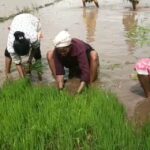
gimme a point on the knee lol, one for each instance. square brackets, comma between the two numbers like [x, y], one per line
[49, 55]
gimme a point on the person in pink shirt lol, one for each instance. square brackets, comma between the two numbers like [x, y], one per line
[79, 57]
[142, 68]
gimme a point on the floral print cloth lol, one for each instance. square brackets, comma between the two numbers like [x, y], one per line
[143, 66]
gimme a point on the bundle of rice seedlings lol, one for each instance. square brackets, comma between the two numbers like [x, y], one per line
[37, 66]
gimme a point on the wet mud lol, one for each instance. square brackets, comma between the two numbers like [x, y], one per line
[106, 29]
[142, 112]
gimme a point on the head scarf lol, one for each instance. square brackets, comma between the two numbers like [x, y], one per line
[62, 39]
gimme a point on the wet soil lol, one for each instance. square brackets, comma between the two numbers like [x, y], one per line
[105, 29]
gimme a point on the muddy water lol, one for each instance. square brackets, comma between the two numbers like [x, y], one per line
[8, 7]
[105, 29]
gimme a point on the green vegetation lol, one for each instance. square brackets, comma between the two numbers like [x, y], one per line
[44, 118]
[139, 35]
[37, 66]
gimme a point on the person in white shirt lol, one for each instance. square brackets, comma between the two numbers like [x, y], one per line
[23, 40]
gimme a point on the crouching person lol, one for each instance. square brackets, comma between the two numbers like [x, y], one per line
[23, 40]
[81, 59]
[142, 68]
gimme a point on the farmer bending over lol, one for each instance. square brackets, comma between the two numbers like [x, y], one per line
[23, 40]
[81, 59]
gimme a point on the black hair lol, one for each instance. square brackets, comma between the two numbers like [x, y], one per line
[21, 44]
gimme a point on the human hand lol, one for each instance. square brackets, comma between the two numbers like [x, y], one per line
[81, 87]
[40, 36]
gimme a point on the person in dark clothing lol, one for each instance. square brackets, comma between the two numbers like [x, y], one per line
[81, 59]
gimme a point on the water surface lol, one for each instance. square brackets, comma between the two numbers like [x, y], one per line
[104, 28]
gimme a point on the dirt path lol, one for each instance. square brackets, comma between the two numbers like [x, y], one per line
[105, 29]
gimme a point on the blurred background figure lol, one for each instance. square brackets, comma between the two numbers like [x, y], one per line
[134, 3]
[89, 1]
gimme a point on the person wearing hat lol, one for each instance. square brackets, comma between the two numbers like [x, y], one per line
[81, 59]
[89, 1]
[23, 40]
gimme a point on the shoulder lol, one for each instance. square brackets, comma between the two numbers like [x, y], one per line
[78, 45]
[76, 41]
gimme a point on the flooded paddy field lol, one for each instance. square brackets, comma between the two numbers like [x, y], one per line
[105, 29]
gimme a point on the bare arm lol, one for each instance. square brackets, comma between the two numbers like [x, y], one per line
[81, 87]
[21, 70]
[30, 60]
[85, 74]
[60, 81]
[17, 61]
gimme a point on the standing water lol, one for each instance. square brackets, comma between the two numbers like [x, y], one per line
[106, 29]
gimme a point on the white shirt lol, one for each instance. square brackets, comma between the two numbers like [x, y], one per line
[26, 23]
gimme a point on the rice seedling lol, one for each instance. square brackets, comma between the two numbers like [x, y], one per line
[139, 35]
[44, 118]
[37, 66]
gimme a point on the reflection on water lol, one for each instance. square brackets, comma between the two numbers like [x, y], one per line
[129, 21]
[90, 17]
